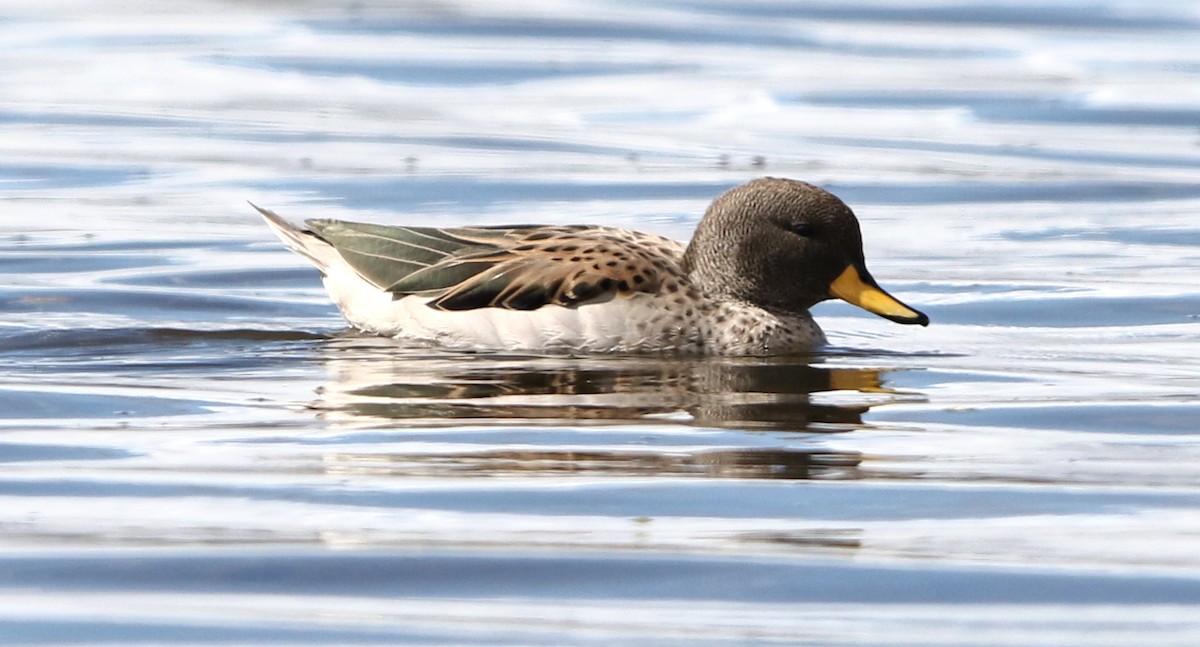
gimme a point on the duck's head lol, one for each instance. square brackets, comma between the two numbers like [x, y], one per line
[786, 245]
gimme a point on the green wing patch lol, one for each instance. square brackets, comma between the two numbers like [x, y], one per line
[389, 256]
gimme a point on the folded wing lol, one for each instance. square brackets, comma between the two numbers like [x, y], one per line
[516, 268]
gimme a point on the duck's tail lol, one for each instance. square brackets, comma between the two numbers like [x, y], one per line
[302, 241]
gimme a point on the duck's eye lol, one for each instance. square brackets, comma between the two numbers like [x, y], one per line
[802, 229]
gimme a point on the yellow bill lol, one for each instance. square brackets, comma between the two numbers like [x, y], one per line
[856, 286]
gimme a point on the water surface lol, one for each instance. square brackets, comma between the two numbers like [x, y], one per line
[196, 450]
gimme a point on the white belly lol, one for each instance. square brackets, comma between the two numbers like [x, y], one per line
[622, 324]
[638, 323]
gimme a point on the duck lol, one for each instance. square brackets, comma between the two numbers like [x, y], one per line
[763, 254]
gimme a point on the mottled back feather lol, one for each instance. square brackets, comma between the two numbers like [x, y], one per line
[516, 268]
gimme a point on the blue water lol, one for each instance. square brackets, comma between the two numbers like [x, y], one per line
[197, 451]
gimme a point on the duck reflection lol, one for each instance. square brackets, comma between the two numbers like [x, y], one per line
[375, 383]
[737, 463]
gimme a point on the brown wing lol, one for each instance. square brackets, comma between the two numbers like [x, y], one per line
[517, 268]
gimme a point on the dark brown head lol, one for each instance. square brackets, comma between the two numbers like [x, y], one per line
[784, 246]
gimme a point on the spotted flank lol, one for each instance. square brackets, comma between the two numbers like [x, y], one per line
[763, 254]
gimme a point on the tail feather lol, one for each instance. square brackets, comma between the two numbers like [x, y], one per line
[302, 241]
